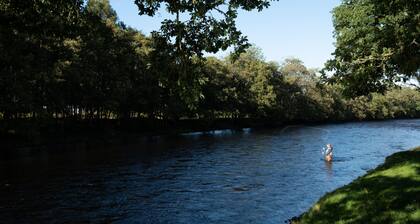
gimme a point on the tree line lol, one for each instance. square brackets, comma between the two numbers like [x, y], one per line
[69, 59]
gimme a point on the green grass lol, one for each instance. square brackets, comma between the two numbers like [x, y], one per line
[388, 194]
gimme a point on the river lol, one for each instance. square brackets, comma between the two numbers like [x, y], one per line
[248, 176]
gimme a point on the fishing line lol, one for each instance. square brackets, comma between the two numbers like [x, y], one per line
[290, 126]
[322, 129]
[293, 126]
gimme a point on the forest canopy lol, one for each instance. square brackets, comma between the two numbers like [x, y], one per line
[201, 26]
[377, 44]
[71, 59]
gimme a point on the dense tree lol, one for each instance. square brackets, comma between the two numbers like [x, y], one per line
[80, 63]
[221, 91]
[294, 67]
[201, 25]
[252, 68]
[194, 28]
[32, 34]
[377, 44]
[102, 9]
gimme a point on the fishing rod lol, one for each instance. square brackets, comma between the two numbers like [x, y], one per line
[293, 126]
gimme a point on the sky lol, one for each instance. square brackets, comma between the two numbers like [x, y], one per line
[288, 28]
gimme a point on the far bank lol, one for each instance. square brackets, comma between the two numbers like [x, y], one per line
[30, 134]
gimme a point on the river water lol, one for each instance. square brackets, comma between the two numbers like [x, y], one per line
[248, 176]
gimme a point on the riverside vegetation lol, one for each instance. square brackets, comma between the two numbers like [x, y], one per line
[70, 65]
[387, 194]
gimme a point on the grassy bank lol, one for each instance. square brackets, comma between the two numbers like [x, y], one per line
[388, 194]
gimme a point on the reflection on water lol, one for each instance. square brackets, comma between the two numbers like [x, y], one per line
[251, 176]
[328, 166]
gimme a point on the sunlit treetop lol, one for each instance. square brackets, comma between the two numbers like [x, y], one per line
[102, 9]
[378, 44]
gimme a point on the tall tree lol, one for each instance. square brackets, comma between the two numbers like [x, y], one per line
[109, 72]
[32, 34]
[103, 9]
[201, 25]
[294, 67]
[258, 74]
[196, 27]
[378, 43]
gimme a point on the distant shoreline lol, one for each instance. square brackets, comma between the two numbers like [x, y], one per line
[26, 135]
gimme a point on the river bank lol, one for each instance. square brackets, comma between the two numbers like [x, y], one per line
[386, 194]
[39, 135]
[22, 133]
[249, 176]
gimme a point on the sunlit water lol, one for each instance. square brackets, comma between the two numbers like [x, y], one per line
[249, 176]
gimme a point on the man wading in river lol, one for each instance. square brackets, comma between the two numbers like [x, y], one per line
[328, 152]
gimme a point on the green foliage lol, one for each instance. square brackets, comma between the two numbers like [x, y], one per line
[387, 194]
[294, 67]
[197, 27]
[102, 9]
[31, 46]
[78, 61]
[395, 103]
[377, 44]
[201, 25]
[258, 75]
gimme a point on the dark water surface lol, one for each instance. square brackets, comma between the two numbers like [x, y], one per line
[250, 176]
